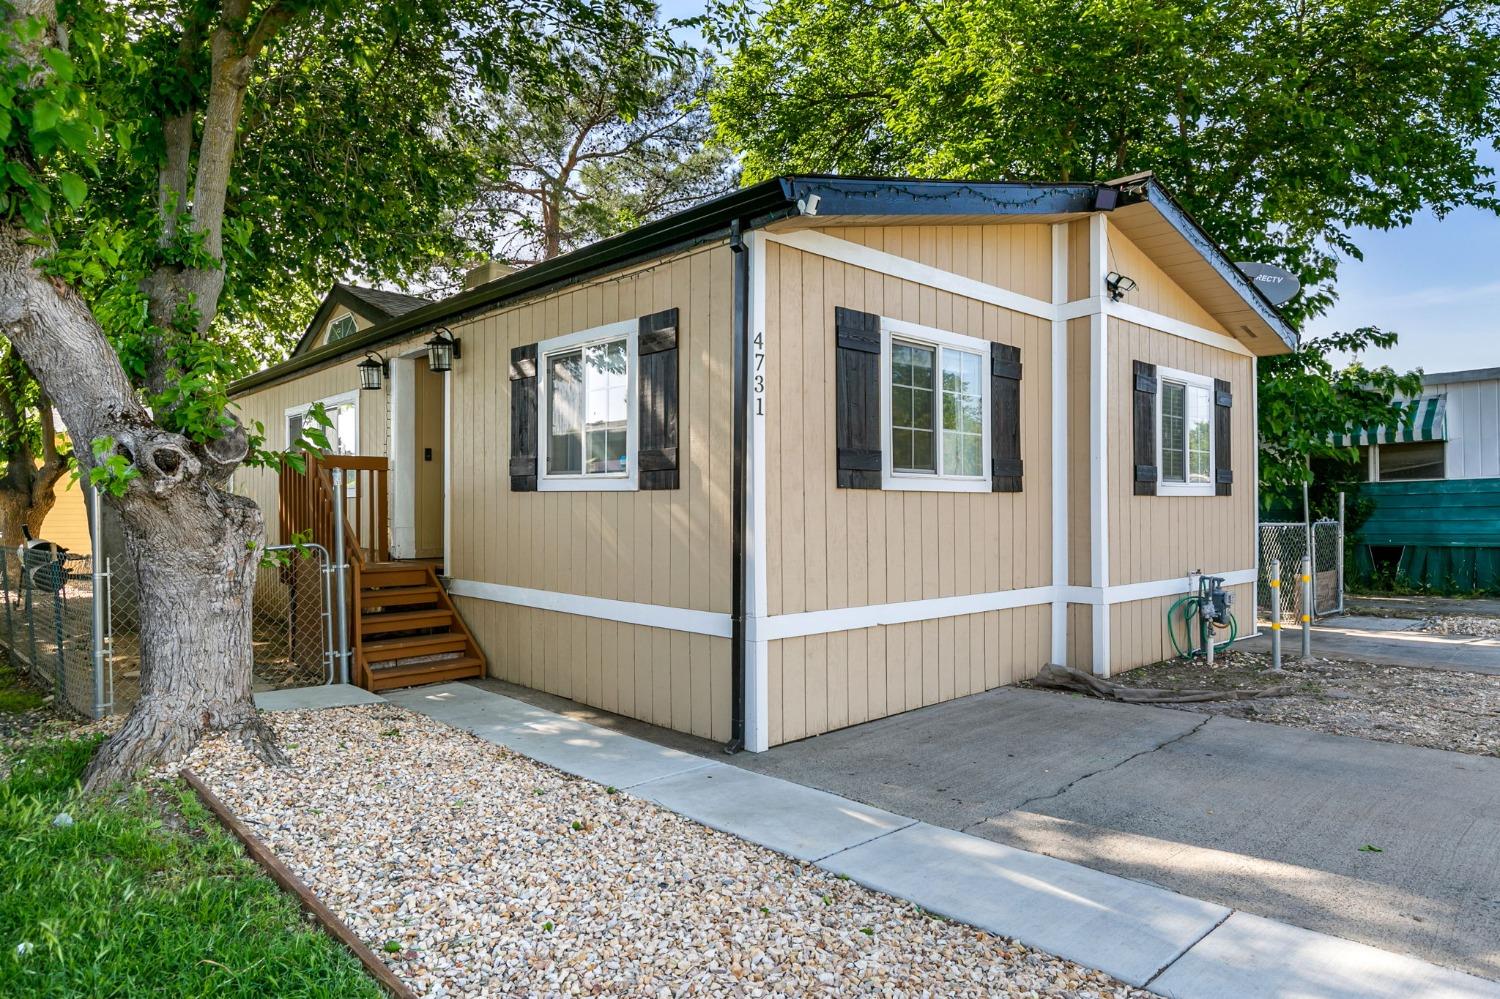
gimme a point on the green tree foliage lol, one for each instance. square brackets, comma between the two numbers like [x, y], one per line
[1283, 126]
[631, 142]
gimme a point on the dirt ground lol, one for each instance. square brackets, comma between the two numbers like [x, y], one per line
[1437, 709]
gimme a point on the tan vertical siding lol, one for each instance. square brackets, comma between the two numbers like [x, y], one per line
[268, 406]
[822, 682]
[1138, 629]
[1080, 267]
[1081, 637]
[614, 666]
[1154, 290]
[67, 523]
[1015, 256]
[831, 548]
[1162, 537]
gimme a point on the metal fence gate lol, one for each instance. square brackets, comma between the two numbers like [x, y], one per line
[1289, 543]
[91, 661]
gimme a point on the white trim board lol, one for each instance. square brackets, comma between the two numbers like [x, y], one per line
[695, 622]
[1059, 442]
[835, 248]
[881, 262]
[757, 654]
[761, 630]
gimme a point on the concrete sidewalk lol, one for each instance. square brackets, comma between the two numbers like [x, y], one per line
[1386, 640]
[1144, 934]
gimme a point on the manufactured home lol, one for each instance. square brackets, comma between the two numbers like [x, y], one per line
[1434, 485]
[813, 453]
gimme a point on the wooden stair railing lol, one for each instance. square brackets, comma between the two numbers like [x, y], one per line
[404, 628]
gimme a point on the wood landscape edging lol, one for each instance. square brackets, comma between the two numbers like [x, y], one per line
[327, 920]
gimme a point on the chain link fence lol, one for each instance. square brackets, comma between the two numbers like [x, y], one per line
[290, 622]
[47, 619]
[1288, 543]
[92, 663]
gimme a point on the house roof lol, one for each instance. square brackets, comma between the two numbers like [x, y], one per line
[1456, 377]
[373, 304]
[1144, 210]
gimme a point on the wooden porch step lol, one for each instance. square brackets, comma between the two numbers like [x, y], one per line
[399, 596]
[372, 576]
[385, 624]
[384, 649]
[432, 671]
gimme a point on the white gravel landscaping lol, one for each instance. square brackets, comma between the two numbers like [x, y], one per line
[1472, 625]
[478, 872]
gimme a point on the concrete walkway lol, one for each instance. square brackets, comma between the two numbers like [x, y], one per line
[1386, 640]
[1261, 818]
[1144, 934]
[332, 695]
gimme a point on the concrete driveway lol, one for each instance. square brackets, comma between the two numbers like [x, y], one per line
[1386, 640]
[1385, 844]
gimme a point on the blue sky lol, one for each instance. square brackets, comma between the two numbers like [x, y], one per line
[1435, 282]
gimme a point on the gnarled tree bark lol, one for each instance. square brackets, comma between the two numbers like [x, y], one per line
[193, 546]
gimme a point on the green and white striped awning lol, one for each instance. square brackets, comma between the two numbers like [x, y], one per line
[1426, 420]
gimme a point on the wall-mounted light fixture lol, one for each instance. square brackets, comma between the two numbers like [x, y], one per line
[442, 349]
[371, 370]
[1118, 284]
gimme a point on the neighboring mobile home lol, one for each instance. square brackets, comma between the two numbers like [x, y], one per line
[1435, 484]
[816, 452]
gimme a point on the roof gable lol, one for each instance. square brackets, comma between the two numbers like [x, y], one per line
[373, 305]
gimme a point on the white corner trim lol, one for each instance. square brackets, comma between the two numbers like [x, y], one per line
[447, 475]
[904, 612]
[1099, 437]
[695, 622]
[834, 248]
[1059, 442]
[757, 655]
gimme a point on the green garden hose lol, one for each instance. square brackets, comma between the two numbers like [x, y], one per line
[1189, 604]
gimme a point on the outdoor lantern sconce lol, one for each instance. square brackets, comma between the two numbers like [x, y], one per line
[371, 370]
[1118, 284]
[442, 349]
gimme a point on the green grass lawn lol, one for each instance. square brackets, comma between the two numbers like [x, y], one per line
[143, 897]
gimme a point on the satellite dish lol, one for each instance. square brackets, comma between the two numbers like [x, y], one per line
[1276, 283]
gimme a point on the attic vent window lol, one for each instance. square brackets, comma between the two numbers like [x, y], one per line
[341, 328]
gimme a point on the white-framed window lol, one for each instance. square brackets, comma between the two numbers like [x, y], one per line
[343, 413]
[586, 409]
[934, 409]
[1185, 434]
[1410, 460]
[341, 328]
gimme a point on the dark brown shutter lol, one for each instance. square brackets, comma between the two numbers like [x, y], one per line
[857, 398]
[656, 353]
[523, 419]
[1005, 418]
[1145, 429]
[1223, 473]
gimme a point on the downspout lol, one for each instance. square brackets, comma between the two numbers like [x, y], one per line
[740, 322]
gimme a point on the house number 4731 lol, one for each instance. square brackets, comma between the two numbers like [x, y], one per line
[760, 374]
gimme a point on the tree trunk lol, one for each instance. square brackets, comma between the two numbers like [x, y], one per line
[194, 546]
